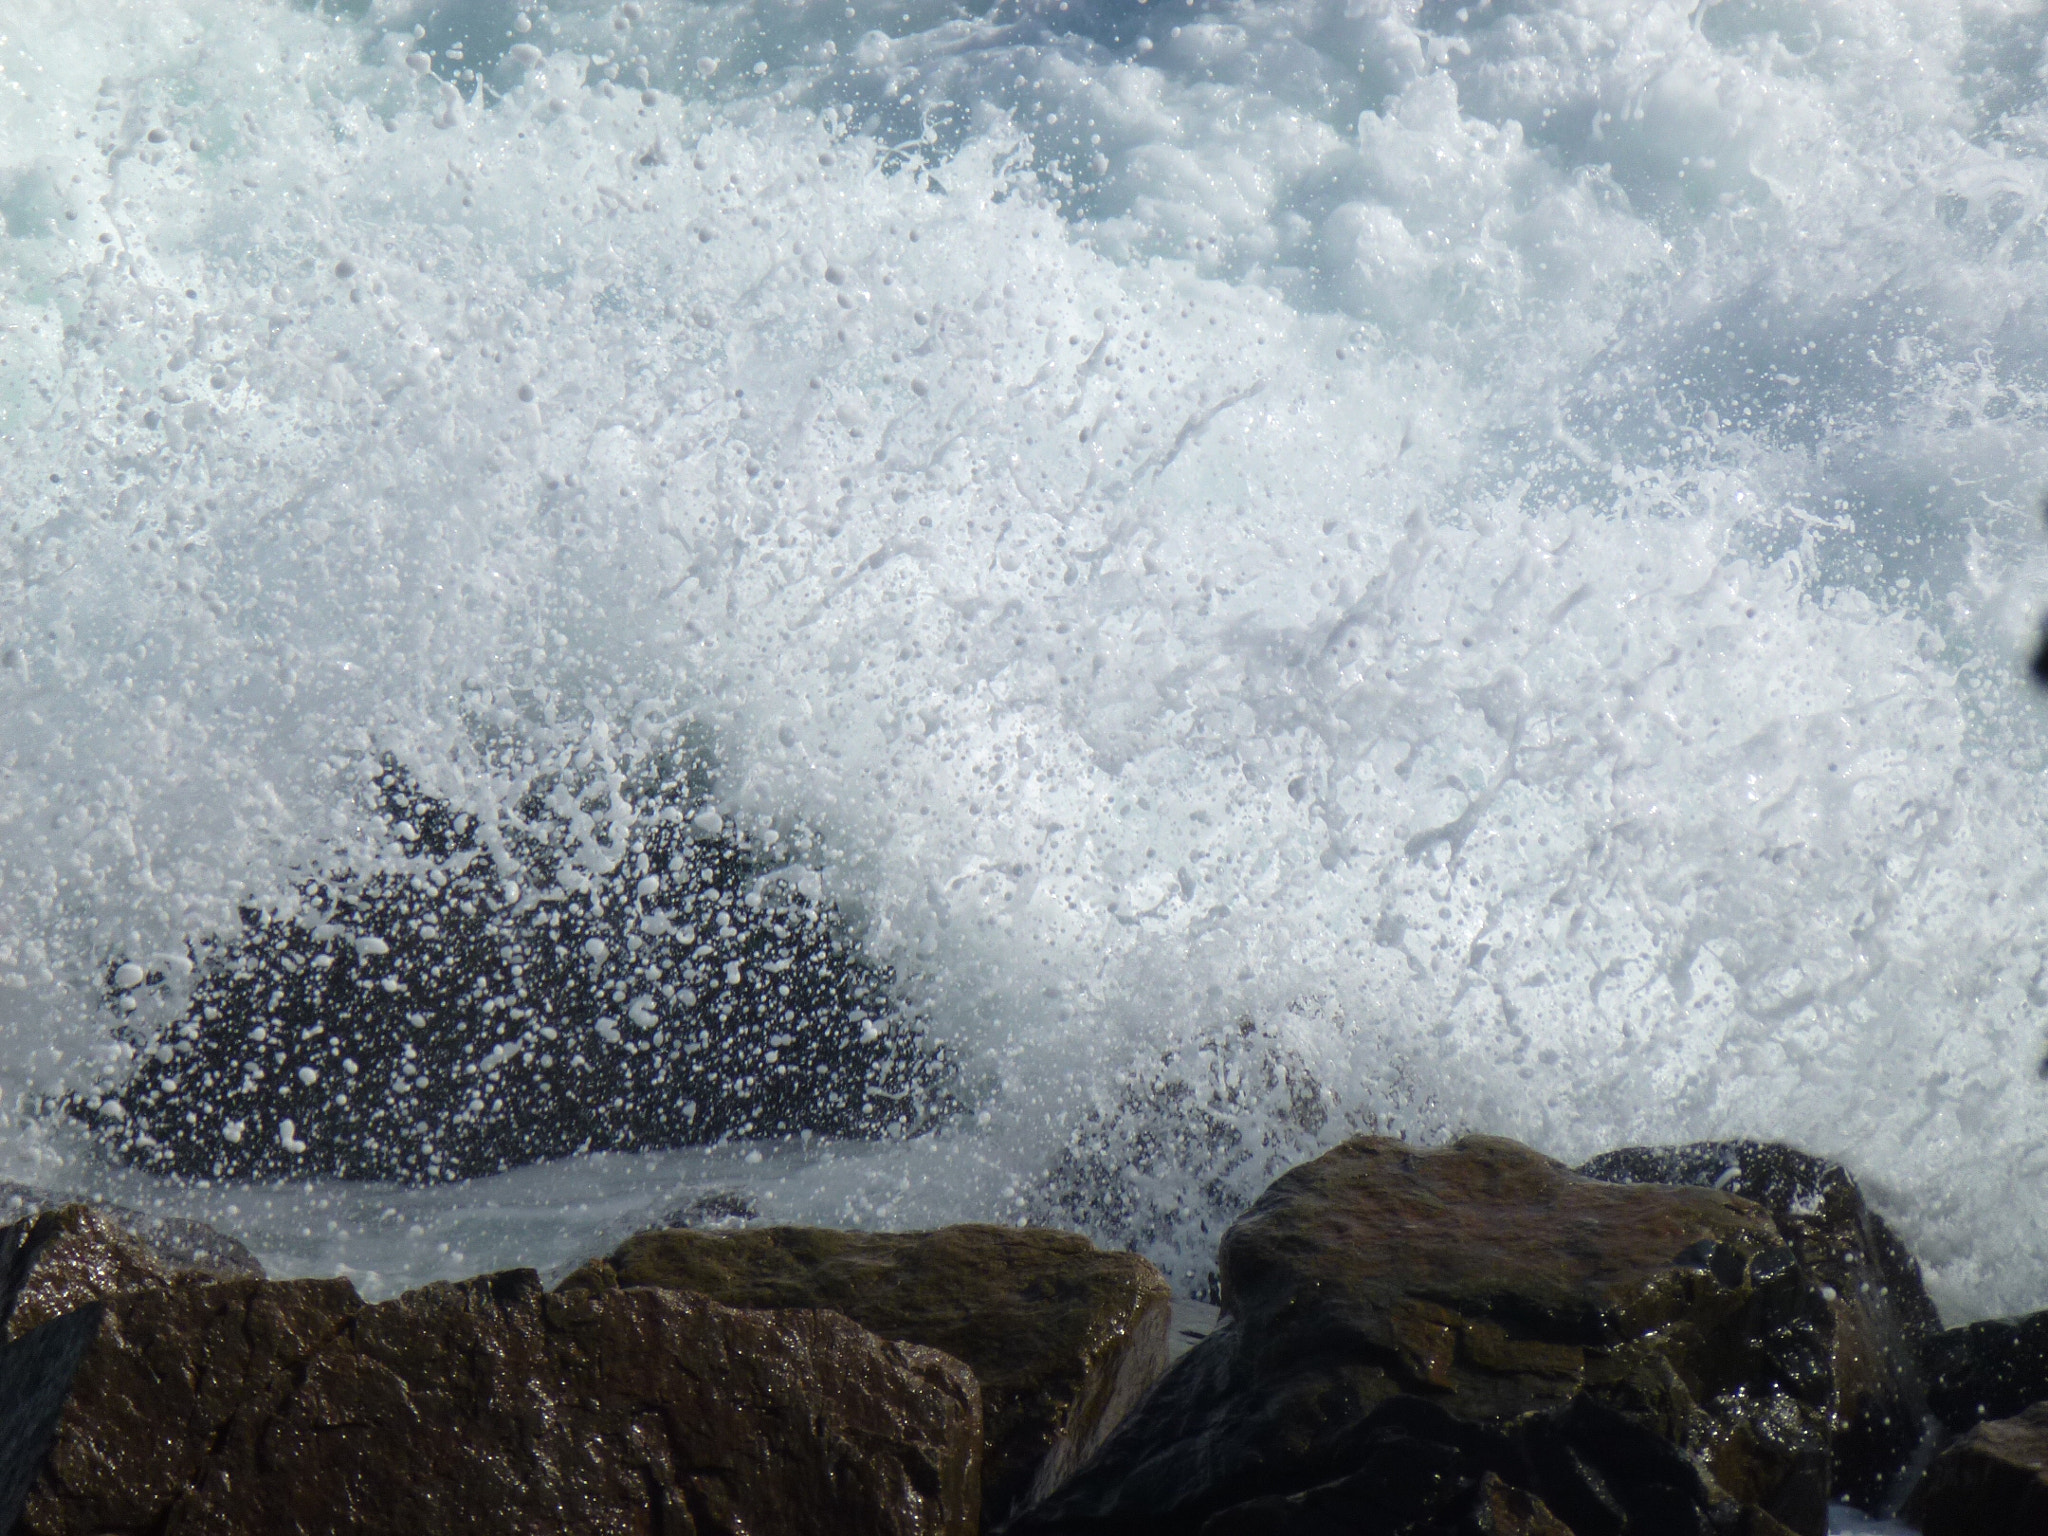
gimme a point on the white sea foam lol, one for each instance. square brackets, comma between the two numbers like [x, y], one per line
[1492, 542]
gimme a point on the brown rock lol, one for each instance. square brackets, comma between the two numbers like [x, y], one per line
[1633, 1353]
[490, 1407]
[105, 1250]
[89, 1259]
[1883, 1315]
[1501, 1509]
[1063, 1337]
[1993, 1480]
[36, 1369]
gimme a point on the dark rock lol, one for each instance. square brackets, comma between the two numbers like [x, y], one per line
[608, 968]
[36, 1368]
[152, 1250]
[490, 1407]
[90, 1253]
[714, 1208]
[1501, 1509]
[36, 1375]
[1193, 1321]
[1639, 1359]
[85, 1258]
[1992, 1481]
[1988, 1370]
[1415, 1469]
[1873, 1285]
[1420, 1471]
[1063, 1337]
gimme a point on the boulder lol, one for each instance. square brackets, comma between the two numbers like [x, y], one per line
[1988, 1370]
[1993, 1480]
[489, 1406]
[1063, 1337]
[1415, 1470]
[36, 1368]
[93, 1253]
[99, 1248]
[516, 990]
[1871, 1282]
[1633, 1358]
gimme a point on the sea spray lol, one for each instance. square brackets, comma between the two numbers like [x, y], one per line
[1493, 548]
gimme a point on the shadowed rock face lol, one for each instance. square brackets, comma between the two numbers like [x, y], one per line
[1994, 1479]
[1637, 1359]
[1063, 1337]
[1883, 1314]
[610, 969]
[37, 1363]
[487, 1407]
[1987, 1370]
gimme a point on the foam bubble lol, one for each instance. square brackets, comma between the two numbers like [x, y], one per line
[1488, 548]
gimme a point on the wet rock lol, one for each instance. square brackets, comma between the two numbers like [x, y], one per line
[610, 967]
[1988, 1370]
[1501, 1509]
[95, 1251]
[490, 1407]
[1873, 1286]
[86, 1258]
[1415, 1470]
[36, 1368]
[1636, 1358]
[714, 1208]
[1993, 1480]
[1063, 1337]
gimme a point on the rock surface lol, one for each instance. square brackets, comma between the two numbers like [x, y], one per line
[178, 1244]
[491, 1407]
[1988, 1370]
[1873, 1287]
[1636, 1358]
[610, 968]
[1992, 1481]
[1063, 1337]
[36, 1369]
[97, 1252]
[1415, 1470]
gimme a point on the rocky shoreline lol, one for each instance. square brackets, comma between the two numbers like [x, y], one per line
[1471, 1339]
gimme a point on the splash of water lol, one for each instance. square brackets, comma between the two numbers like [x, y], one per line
[1490, 544]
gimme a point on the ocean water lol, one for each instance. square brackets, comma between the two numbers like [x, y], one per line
[1311, 565]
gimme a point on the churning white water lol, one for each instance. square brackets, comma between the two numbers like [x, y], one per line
[1313, 564]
